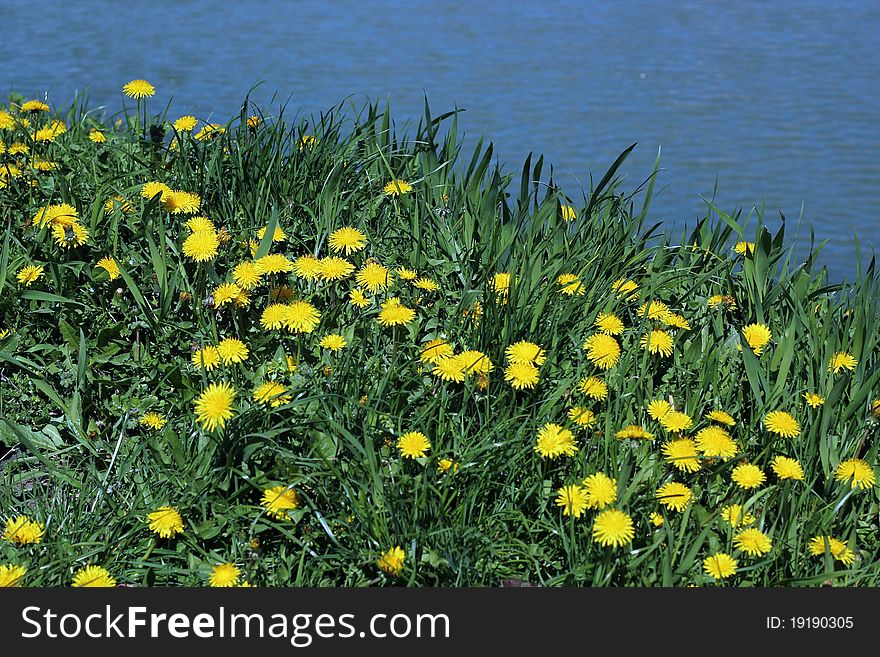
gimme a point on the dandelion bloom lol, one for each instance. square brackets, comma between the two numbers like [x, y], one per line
[391, 561]
[301, 317]
[246, 275]
[224, 575]
[856, 472]
[474, 361]
[93, 577]
[11, 576]
[571, 284]
[347, 240]
[842, 361]
[278, 235]
[29, 274]
[274, 316]
[658, 408]
[97, 136]
[207, 358]
[225, 293]
[656, 519]
[753, 542]
[358, 299]
[165, 521]
[152, 420]
[333, 342]
[110, 266]
[593, 387]
[273, 263]
[278, 501]
[413, 445]
[373, 277]
[676, 421]
[572, 499]
[721, 417]
[634, 431]
[21, 530]
[185, 123]
[748, 476]
[720, 565]
[394, 313]
[602, 350]
[677, 321]
[435, 350]
[138, 89]
[525, 352]
[214, 405]
[71, 235]
[308, 267]
[554, 441]
[34, 106]
[521, 375]
[609, 323]
[501, 283]
[782, 424]
[180, 202]
[674, 496]
[625, 288]
[449, 369]
[716, 442]
[583, 417]
[209, 131]
[655, 310]
[735, 516]
[271, 393]
[201, 246]
[744, 247]
[787, 468]
[334, 268]
[397, 187]
[657, 342]
[757, 336]
[445, 465]
[682, 454]
[813, 400]
[232, 350]
[613, 528]
[837, 548]
[426, 284]
[600, 489]
[568, 213]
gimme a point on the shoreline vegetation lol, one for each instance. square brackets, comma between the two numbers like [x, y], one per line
[325, 352]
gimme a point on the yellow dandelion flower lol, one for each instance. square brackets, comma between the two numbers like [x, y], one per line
[813, 400]
[570, 284]
[301, 317]
[748, 476]
[30, 274]
[572, 499]
[675, 421]
[271, 393]
[391, 561]
[21, 530]
[757, 336]
[333, 342]
[657, 342]
[449, 369]
[397, 187]
[735, 516]
[856, 472]
[93, 577]
[214, 406]
[842, 361]
[625, 288]
[358, 299]
[185, 123]
[335, 269]
[782, 424]
[180, 202]
[682, 454]
[110, 266]
[674, 495]
[743, 248]
[583, 417]
[394, 313]
[720, 565]
[613, 528]
[224, 575]
[634, 431]
[201, 246]
[554, 441]
[722, 417]
[413, 445]
[475, 362]
[521, 375]
[138, 89]
[445, 465]
[225, 293]
[207, 358]
[232, 350]
[273, 263]
[602, 350]
[373, 277]
[716, 442]
[435, 350]
[658, 408]
[97, 136]
[34, 106]
[70, 236]
[165, 521]
[406, 274]
[347, 240]
[209, 131]
[787, 468]
[600, 489]
[836, 548]
[753, 542]
[568, 213]
[594, 388]
[11, 576]
[656, 519]
[308, 268]
[655, 310]
[525, 352]
[609, 323]
[153, 420]
[279, 501]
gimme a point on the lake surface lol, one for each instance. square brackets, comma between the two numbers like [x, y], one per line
[779, 100]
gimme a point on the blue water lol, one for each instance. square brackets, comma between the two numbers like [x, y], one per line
[780, 100]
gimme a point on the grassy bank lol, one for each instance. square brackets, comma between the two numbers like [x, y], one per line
[324, 352]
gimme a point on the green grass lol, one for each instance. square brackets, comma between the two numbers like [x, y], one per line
[86, 357]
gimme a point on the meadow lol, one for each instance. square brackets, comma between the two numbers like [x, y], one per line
[329, 351]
